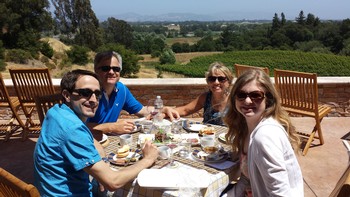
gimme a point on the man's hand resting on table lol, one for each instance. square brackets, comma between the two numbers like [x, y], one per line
[119, 127]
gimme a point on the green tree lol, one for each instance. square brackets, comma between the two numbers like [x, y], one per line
[167, 57]
[206, 44]
[77, 20]
[78, 55]
[345, 28]
[276, 23]
[117, 31]
[22, 21]
[283, 19]
[301, 18]
[226, 37]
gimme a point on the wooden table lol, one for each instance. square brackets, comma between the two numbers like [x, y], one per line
[218, 179]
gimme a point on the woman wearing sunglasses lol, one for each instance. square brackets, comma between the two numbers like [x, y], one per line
[264, 138]
[219, 78]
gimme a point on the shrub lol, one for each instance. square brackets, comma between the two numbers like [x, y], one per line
[18, 56]
[2, 65]
[78, 55]
[167, 57]
[46, 49]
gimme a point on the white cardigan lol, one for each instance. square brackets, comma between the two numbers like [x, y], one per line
[273, 167]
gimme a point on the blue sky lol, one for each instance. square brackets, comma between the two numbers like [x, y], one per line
[257, 9]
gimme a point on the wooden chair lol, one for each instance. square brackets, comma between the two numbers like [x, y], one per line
[12, 126]
[11, 186]
[342, 188]
[239, 68]
[299, 95]
[30, 83]
[44, 103]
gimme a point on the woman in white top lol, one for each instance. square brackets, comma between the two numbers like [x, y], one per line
[262, 134]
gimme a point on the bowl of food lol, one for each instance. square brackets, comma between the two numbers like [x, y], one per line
[207, 131]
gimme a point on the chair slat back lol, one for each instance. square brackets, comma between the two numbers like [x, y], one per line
[30, 83]
[11, 186]
[297, 89]
[3, 91]
[240, 69]
[44, 103]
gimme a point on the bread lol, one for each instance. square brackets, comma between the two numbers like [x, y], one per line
[123, 151]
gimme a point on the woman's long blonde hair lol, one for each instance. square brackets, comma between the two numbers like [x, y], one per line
[238, 130]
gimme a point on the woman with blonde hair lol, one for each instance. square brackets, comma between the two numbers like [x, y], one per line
[219, 79]
[264, 138]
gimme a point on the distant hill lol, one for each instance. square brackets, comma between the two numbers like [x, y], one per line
[178, 17]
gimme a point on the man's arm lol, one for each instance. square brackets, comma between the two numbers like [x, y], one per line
[119, 127]
[113, 180]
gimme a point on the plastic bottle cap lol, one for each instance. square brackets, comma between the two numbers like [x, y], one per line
[158, 97]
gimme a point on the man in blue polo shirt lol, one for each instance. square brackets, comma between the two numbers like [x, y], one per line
[116, 97]
[65, 153]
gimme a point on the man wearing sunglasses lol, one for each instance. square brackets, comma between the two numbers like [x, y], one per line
[65, 153]
[116, 97]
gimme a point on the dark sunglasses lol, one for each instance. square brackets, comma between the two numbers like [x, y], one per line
[108, 68]
[88, 93]
[220, 79]
[254, 96]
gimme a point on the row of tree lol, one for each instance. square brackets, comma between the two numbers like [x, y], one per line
[24, 22]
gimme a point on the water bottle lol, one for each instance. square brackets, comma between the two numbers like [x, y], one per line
[158, 107]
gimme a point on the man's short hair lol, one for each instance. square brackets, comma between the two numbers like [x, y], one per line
[70, 78]
[107, 55]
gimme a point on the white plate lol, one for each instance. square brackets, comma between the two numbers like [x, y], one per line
[193, 137]
[104, 138]
[143, 137]
[222, 137]
[194, 127]
[173, 178]
[113, 158]
[203, 157]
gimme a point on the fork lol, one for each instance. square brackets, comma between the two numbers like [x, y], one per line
[132, 157]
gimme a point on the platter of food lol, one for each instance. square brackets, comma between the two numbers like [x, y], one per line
[124, 156]
[193, 126]
[158, 140]
[216, 156]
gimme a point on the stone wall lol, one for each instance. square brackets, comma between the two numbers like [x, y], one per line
[334, 91]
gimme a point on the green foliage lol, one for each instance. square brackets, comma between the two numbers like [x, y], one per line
[167, 57]
[146, 43]
[2, 65]
[2, 51]
[78, 19]
[78, 55]
[117, 31]
[130, 59]
[50, 66]
[22, 21]
[155, 54]
[18, 56]
[322, 64]
[46, 49]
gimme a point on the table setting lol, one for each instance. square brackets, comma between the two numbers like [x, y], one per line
[190, 160]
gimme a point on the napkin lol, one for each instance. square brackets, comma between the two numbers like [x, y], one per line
[222, 165]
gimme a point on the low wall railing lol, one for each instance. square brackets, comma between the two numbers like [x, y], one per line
[334, 91]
